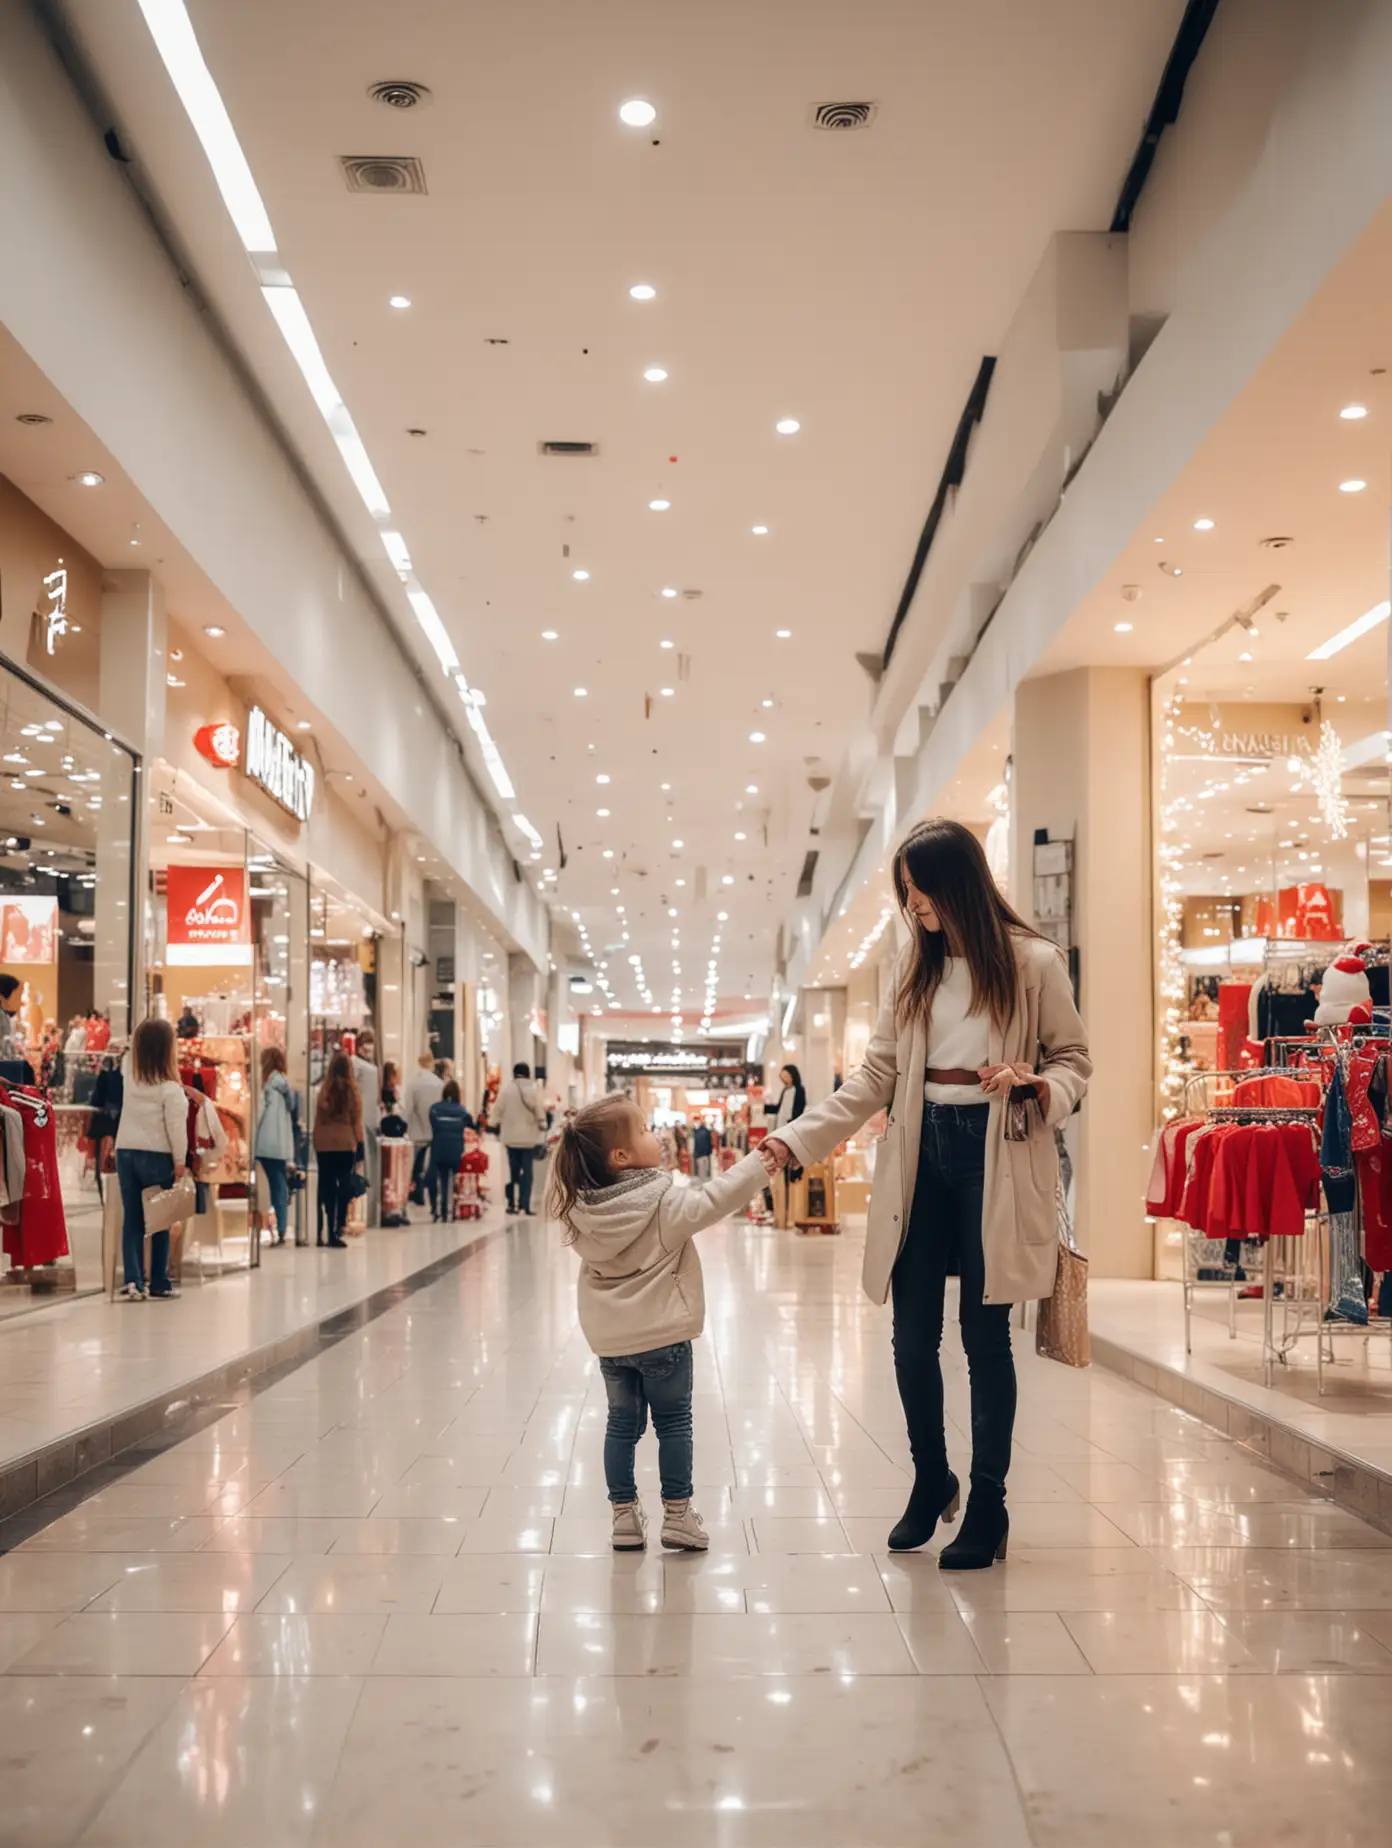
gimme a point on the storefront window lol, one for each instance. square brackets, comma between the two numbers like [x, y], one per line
[67, 794]
[280, 967]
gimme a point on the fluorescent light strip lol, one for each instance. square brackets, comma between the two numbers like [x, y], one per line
[521, 823]
[172, 31]
[177, 44]
[1337, 643]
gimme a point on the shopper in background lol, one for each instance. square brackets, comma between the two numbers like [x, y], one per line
[76, 1040]
[701, 1151]
[369, 1083]
[151, 1150]
[276, 1134]
[107, 1096]
[338, 1143]
[522, 1125]
[11, 999]
[448, 1121]
[427, 1087]
[189, 1027]
[966, 1176]
[391, 1088]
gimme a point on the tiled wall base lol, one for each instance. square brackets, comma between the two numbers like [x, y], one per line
[1352, 1483]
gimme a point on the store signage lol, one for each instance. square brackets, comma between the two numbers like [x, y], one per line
[220, 743]
[208, 922]
[272, 761]
[1262, 744]
[55, 617]
[693, 1061]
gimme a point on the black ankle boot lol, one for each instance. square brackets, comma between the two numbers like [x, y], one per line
[929, 1503]
[984, 1536]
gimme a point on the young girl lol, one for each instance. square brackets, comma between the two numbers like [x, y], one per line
[641, 1298]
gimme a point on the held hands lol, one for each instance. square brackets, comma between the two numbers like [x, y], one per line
[774, 1154]
[1000, 1080]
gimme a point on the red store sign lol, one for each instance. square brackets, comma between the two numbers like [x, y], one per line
[208, 919]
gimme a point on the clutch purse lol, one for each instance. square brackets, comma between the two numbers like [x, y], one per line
[1061, 1326]
[1022, 1107]
[167, 1206]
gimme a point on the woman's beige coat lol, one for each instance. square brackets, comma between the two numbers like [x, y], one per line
[1019, 1221]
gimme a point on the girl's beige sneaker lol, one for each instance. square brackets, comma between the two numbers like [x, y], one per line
[630, 1527]
[682, 1528]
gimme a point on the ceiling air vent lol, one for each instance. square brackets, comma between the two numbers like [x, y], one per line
[843, 115]
[399, 93]
[568, 449]
[33, 417]
[382, 173]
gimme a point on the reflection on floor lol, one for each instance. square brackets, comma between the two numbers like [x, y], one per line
[375, 1606]
[83, 1215]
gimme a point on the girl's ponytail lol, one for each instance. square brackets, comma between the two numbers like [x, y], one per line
[581, 1162]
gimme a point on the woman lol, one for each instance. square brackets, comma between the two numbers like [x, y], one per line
[151, 1150]
[338, 1142]
[981, 1007]
[391, 1089]
[276, 1134]
[448, 1121]
[792, 1101]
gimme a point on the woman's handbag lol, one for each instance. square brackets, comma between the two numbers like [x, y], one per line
[357, 1184]
[167, 1206]
[1061, 1327]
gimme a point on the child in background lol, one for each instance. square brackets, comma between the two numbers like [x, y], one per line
[641, 1297]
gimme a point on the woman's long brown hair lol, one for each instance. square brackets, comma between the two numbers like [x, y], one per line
[153, 1058]
[337, 1099]
[947, 863]
[581, 1162]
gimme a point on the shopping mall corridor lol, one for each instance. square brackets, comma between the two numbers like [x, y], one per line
[374, 1605]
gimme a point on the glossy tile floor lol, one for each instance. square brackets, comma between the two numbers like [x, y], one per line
[375, 1606]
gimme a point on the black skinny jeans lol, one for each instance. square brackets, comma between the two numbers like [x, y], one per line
[335, 1172]
[945, 1235]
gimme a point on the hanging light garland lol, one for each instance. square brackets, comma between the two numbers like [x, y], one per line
[1173, 851]
[1328, 772]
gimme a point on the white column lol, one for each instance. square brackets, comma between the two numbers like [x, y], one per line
[132, 701]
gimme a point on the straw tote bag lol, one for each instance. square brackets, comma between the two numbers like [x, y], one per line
[1061, 1326]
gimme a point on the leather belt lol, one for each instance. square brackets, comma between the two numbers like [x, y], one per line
[954, 1074]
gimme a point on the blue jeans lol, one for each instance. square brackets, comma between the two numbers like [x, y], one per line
[944, 1236]
[442, 1188]
[519, 1186]
[137, 1169]
[279, 1190]
[662, 1379]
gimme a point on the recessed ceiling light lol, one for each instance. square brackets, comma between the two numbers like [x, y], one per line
[759, 531]
[399, 301]
[654, 374]
[787, 426]
[548, 635]
[727, 879]
[666, 644]
[642, 292]
[678, 845]
[767, 704]
[741, 837]
[756, 737]
[1245, 655]
[1353, 486]
[581, 577]
[1352, 412]
[304, 725]
[89, 478]
[1203, 526]
[664, 785]
[601, 778]
[214, 630]
[603, 814]
[1123, 628]
[582, 692]
[637, 113]
[608, 853]
[658, 506]
[667, 692]
[783, 635]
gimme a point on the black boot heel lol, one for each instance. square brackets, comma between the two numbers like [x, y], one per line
[927, 1506]
[984, 1538]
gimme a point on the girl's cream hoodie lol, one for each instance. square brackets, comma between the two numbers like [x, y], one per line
[640, 1279]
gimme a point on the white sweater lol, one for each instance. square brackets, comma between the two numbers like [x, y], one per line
[153, 1117]
[957, 1038]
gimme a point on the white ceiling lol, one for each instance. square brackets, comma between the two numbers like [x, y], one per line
[851, 281]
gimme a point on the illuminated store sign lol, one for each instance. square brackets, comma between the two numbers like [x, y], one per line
[221, 744]
[273, 762]
[55, 617]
